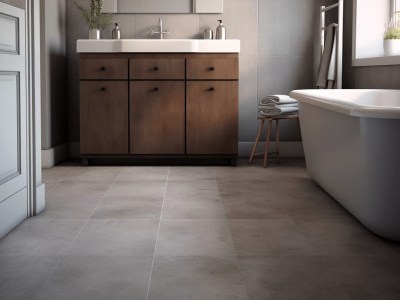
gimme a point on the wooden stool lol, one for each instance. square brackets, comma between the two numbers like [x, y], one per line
[270, 120]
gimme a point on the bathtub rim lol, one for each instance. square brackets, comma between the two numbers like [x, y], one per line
[346, 107]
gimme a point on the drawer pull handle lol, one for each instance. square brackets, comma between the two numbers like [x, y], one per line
[211, 69]
[155, 69]
[155, 89]
[103, 68]
[103, 89]
[211, 89]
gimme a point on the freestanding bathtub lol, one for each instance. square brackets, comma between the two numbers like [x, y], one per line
[351, 142]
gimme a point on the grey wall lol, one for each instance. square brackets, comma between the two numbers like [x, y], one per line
[277, 51]
[54, 76]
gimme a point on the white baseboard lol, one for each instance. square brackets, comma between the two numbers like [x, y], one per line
[40, 198]
[52, 156]
[287, 149]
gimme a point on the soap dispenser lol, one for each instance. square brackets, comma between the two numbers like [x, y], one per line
[220, 33]
[116, 33]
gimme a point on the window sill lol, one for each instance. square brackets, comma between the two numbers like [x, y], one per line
[377, 61]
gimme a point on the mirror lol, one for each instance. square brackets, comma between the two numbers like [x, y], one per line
[163, 6]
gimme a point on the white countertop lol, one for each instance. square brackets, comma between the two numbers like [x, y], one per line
[161, 46]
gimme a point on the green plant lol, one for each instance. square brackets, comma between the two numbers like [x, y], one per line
[94, 18]
[392, 30]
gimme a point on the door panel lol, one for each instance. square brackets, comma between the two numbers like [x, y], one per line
[211, 117]
[13, 118]
[157, 117]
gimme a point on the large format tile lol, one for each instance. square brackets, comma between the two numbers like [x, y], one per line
[191, 173]
[288, 277]
[267, 237]
[196, 278]
[129, 208]
[116, 237]
[99, 277]
[68, 208]
[144, 173]
[194, 237]
[95, 173]
[137, 189]
[22, 276]
[80, 188]
[57, 173]
[366, 277]
[41, 237]
[344, 236]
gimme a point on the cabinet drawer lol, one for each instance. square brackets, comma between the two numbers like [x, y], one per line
[212, 68]
[157, 68]
[104, 117]
[103, 68]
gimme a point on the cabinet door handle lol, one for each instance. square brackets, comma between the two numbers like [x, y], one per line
[103, 89]
[211, 89]
[155, 89]
[155, 69]
[211, 69]
[103, 68]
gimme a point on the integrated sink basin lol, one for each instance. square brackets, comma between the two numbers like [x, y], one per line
[153, 45]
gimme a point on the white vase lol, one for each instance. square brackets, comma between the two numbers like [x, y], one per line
[391, 47]
[94, 34]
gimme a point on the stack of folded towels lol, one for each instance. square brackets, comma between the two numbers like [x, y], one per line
[275, 105]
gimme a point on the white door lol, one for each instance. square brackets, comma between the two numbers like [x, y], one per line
[13, 119]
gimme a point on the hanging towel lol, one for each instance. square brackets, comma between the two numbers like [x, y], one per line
[332, 65]
[322, 81]
[276, 99]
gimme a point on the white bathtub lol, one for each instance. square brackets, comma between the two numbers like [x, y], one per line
[351, 142]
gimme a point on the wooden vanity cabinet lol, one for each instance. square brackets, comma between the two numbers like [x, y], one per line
[159, 105]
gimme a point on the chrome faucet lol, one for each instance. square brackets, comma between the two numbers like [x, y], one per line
[160, 31]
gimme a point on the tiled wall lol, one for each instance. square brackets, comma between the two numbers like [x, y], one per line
[276, 57]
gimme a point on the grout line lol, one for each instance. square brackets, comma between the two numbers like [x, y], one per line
[158, 232]
[74, 239]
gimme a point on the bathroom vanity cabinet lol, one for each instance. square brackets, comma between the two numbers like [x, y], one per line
[159, 105]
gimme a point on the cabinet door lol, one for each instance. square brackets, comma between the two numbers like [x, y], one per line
[212, 117]
[157, 124]
[104, 117]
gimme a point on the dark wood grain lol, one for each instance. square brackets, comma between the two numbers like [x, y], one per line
[212, 117]
[104, 117]
[16, 3]
[157, 114]
[157, 68]
[103, 68]
[212, 68]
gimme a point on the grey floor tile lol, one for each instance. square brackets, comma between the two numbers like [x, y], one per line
[129, 208]
[95, 173]
[191, 173]
[41, 237]
[193, 199]
[366, 277]
[57, 173]
[346, 236]
[22, 276]
[144, 173]
[99, 277]
[194, 237]
[196, 278]
[116, 237]
[68, 208]
[80, 188]
[268, 237]
[137, 189]
[288, 277]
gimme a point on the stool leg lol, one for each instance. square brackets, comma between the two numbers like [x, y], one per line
[267, 143]
[257, 140]
[278, 141]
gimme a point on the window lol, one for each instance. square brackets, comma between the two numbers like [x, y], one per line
[369, 19]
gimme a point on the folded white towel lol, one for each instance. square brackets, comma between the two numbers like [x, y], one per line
[279, 111]
[277, 99]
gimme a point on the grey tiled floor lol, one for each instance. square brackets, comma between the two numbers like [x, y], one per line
[183, 233]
